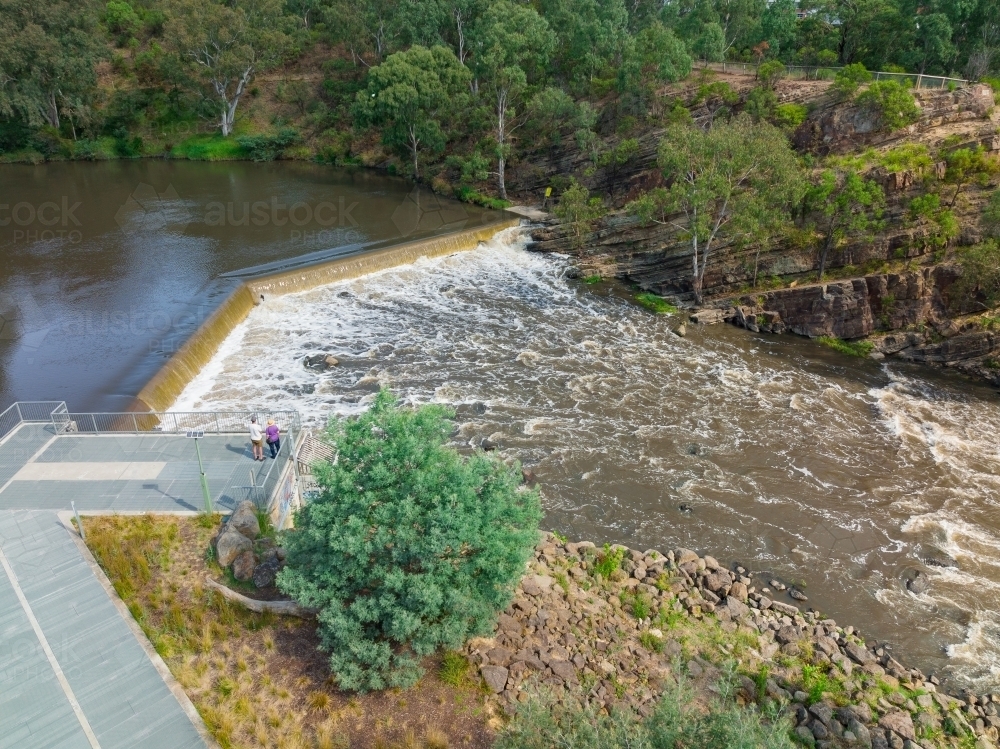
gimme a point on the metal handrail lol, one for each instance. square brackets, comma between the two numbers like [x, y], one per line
[28, 412]
[824, 72]
[170, 422]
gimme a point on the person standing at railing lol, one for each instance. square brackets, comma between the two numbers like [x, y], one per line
[273, 438]
[256, 439]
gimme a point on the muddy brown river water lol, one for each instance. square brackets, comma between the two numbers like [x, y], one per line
[844, 476]
[107, 268]
[840, 475]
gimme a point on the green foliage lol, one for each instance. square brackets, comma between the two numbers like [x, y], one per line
[591, 280]
[454, 668]
[468, 195]
[890, 104]
[212, 147]
[655, 303]
[651, 642]
[653, 57]
[991, 216]
[968, 165]
[761, 103]
[770, 72]
[408, 95]
[640, 605]
[790, 116]
[408, 547]
[737, 180]
[851, 348]
[817, 682]
[267, 147]
[616, 157]
[846, 204]
[850, 78]
[577, 209]
[940, 220]
[608, 561]
[121, 18]
[981, 272]
[718, 97]
[679, 720]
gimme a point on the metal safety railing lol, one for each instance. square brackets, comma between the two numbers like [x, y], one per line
[29, 412]
[822, 73]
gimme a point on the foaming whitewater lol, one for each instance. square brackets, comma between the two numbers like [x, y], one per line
[827, 472]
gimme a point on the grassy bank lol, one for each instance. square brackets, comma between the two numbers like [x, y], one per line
[259, 680]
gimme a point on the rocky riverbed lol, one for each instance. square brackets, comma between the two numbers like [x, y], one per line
[611, 627]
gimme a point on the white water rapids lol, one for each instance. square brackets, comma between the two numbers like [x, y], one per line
[835, 473]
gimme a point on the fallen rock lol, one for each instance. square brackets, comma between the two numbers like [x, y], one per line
[230, 544]
[320, 362]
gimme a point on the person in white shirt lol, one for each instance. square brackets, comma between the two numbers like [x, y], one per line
[256, 439]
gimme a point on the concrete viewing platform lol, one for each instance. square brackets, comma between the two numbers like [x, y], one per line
[75, 670]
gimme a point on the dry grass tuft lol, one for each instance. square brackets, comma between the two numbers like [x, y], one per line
[258, 680]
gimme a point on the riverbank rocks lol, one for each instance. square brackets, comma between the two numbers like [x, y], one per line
[320, 362]
[239, 546]
[620, 641]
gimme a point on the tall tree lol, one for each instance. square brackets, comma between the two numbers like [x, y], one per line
[225, 45]
[408, 94]
[724, 184]
[846, 204]
[513, 47]
[47, 58]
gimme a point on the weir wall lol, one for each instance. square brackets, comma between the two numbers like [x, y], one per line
[171, 379]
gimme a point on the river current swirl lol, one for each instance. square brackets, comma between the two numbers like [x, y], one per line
[840, 475]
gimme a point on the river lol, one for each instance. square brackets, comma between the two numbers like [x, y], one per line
[840, 475]
[107, 268]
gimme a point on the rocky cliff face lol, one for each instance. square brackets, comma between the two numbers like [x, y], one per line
[909, 314]
[658, 259]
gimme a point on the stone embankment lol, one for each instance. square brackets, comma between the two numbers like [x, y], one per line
[613, 627]
[910, 315]
[239, 546]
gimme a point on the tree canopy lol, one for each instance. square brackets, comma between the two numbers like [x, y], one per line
[409, 547]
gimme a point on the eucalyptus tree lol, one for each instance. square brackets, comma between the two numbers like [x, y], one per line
[845, 203]
[409, 94]
[47, 59]
[513, 46]
[726, 185]
[224, 45]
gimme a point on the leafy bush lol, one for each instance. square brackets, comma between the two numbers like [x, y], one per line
[468, 195]
[678, 721]
[890, 103]
[760, 103]
[577, 209]
[409, 547]
[770, 72]
[849, 79]
[790, 116]
[267, 147]
[609, 560]
[981, 272]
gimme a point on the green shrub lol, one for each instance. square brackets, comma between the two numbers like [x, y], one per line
[790, 116]
[991, 216]
[409, 547]
[655, 303]
[214, 147]
[851, 348]
[468, 195]
[761, 103]
[608, 561]
[770, 72]
[267, 147]
[577, 210]
[890, 103]
[981, 272]
[849, 79]
[677, 721]
[591, 280]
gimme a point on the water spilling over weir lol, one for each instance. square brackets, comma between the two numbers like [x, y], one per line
[841, 475]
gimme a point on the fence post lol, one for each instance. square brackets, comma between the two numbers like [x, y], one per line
[920, 79]
[135, 423]
[79, 523]
[93, 419]
[218, 429]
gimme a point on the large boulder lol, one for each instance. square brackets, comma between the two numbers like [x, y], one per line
[265, 572]
[244, 565]
[230, 544]
[244, 520]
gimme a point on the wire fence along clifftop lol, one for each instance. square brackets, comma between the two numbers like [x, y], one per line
[823, 73]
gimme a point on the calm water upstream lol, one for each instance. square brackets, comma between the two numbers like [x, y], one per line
[106, 269]
[839, 474]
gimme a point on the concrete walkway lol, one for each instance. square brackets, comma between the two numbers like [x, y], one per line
[75, 671]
